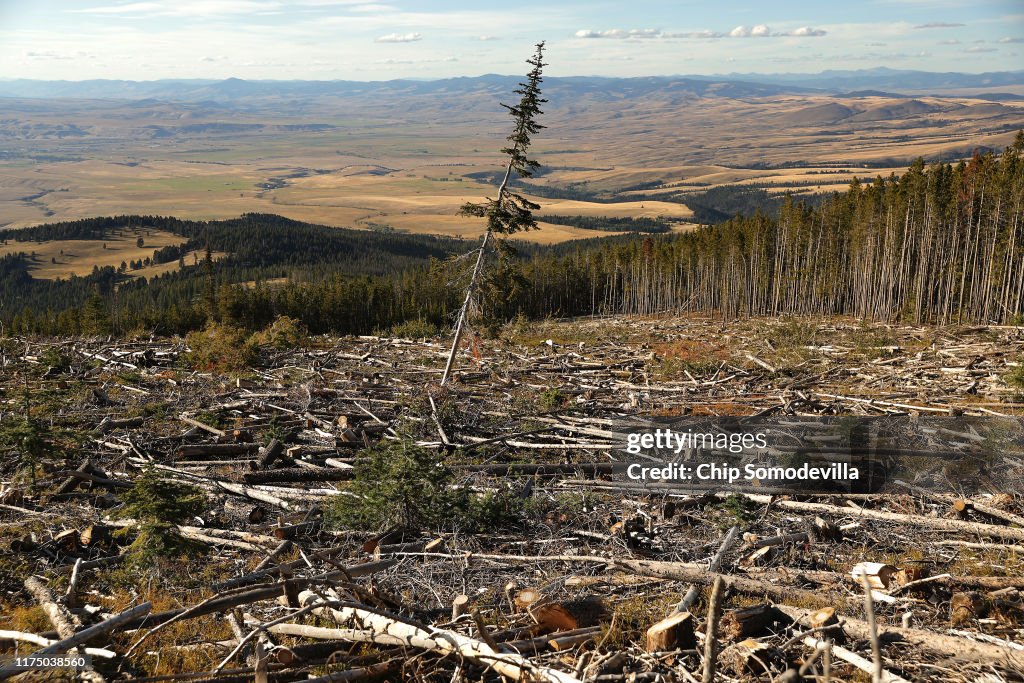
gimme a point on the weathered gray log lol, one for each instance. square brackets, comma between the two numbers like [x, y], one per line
[949, 647]
[507, 664]
[83, 636]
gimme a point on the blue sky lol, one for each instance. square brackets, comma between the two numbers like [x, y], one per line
[382, 39]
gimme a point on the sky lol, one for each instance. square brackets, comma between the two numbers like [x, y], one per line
[386, 39]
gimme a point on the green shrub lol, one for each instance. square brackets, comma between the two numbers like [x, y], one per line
[414, 329]
[399, 483]
[406, 485]
[552, 399]
[56, 359]
[792, 333]
[27, 441]
[157, 505]
[282, 334]
[220, 348]
[1015, 378]
[736, 511]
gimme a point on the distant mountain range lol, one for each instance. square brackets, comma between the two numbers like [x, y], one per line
[880, 82]
[884, 79]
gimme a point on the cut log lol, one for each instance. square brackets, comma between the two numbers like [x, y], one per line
[826, 616]
[460, 606]
[94, 534]
[878, 575]
[748, 658]
[749, 621]
[526, 598]
[938, 523]
[966, 607]
[270, 453]
[674, 632]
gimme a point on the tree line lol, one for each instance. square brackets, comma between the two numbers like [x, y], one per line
[941, 244]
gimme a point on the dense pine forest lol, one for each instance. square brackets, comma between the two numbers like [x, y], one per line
[939, 244]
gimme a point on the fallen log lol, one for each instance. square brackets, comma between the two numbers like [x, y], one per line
[82, 637]
[263, 592]
[851, 658]
[507, 664]
[949, 647]
[35, 639]
[937, 523]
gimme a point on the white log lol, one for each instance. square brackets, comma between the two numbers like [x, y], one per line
[511, 665]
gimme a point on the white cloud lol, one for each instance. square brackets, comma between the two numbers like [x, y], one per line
[216, 58]
[620, 33]
[758, 31]
[400, 38]
[977, 49]
[938, 24]
[487, 38]
[762, 31]
[805, 32]
[697, 34]
[1011, 40]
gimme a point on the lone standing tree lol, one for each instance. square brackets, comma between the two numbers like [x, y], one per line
[509, 212]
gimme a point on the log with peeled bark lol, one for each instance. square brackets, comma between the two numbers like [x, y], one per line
[749, 621]
[389, 628]
[83, 636]
[948, 647]
[681, 571]
[62, 619]
[853, 658]
[35, 639]
[936, 523]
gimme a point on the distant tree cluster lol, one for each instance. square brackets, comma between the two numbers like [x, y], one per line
[609, 224]
[719, 204]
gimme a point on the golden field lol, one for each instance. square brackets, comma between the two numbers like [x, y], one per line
[377, 164]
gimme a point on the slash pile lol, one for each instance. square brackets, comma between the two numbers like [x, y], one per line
[570, 578]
